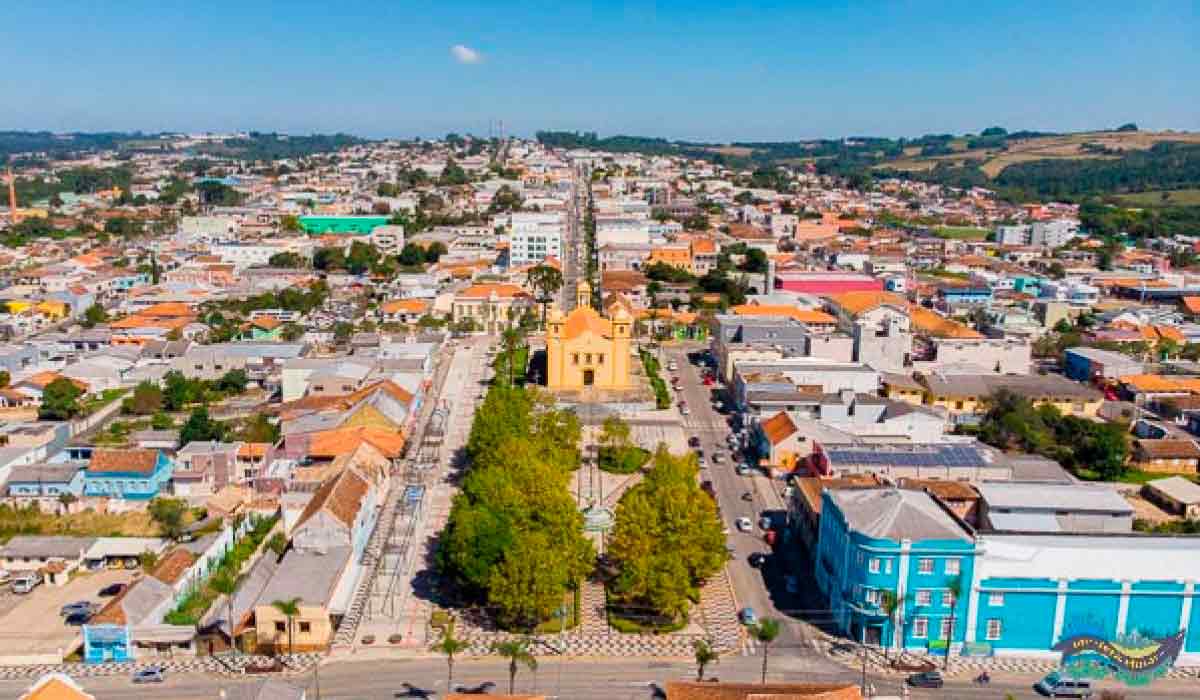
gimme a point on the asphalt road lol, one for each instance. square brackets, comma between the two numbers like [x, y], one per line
[556, 677]
[750, 584]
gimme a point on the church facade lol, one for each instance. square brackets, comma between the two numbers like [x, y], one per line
[584, 349]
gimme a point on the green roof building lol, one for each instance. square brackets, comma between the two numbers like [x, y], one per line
[353, 225]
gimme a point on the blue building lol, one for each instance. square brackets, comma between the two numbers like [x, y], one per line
[965, 295]
[45, 480]
[1019, 594]
[127, 474]
[880, 543]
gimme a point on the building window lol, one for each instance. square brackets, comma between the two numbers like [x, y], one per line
[996, 600]
[873, 565]
[588, 358]
[305, 627]
[925, 566]
[280, 627]
[920, 628]
[947, 599]
[575, 358]
[924, 598]
[994, 629]
[600, 359]
[953, 567]
[944, 632]
[887, 566]
[872, 596]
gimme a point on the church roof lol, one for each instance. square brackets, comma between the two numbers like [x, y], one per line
[584, 319]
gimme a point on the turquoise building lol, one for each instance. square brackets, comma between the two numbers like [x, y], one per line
[880, 543]
[127, 474]
[353, 225]
[1017, 594]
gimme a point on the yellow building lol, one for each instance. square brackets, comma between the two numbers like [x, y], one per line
[584, 349]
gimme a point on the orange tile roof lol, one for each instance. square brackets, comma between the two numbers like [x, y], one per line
[811, 316]
[483, 291]
[254, 449]
[855, 303]
[173, 565]
[266, 323]
[1192, 304]
[331, 443]
[169, 309]
[55, 686]
[133, 461]
[703, 246]
[778, 427]
[412, 306]
[341, 496]
[1151, 382]
[939, 326]
[585, 319]
[1170, 333]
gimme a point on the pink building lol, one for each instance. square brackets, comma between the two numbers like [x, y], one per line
[808, 282]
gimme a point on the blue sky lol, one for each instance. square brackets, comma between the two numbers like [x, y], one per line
[699, 70]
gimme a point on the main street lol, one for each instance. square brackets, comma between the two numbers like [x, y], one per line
[765, 497]
[378, 677]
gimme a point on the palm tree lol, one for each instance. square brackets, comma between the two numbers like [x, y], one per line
[290, 610]
[449, 645]
[224, 584]
[955, 587]
[705, 655]
[765, 632]
[511, 339]
[889, 603]
[517, 652]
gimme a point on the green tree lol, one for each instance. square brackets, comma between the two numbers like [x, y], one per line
[342, 330]
[233, 381]
[161, 421]
[667, 538]
[289, 222]
[168, 514]
[147, 399]
[226, 585]
[286, 259]
[434, 251]
[765, 632]
[517, 652]
[291, 332]
[889, 604]
[94, 315]
[329, 259]
[278, 544]
[411, 255]
[291, 610]
[360, 257]
[954, 586]
[705, 655]
[546, 280]
[5, 378]
[200, 428]
[449, 645]
[60, 400]
[511, 339]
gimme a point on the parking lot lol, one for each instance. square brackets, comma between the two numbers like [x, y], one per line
[33, 629]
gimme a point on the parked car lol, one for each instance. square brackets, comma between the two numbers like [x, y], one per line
[694, 441]
[708, 380]
[743, 524]
[26, 582]
[154, 674]
[5, 577]
[718, 458]
[672, 366]
[111, 590]
[744, 470]
[926, 679]
[765, 522]
[747, 616]
[77, 606]
[756, 559]
[1054, 685]
[79, 618]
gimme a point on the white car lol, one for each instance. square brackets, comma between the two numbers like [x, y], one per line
[672, 367]
[744, 470]
[744, 525]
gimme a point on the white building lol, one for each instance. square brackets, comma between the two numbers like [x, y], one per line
[534, 237]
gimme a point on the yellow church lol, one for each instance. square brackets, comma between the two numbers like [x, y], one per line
[584, 349]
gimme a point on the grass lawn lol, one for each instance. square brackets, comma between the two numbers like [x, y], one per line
[1131, 476]
[89, 523]
[1175, 198]
[622, 461]
[962, 233]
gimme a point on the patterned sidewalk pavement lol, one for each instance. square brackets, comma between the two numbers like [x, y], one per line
[226, 665]
[716, 615]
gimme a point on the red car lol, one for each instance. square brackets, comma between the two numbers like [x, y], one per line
[708, 380]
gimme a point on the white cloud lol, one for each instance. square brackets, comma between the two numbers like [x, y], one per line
[465, 54]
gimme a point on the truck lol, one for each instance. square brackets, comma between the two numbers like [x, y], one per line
[25, 582]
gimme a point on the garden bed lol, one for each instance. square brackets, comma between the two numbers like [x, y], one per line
[622, 460]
